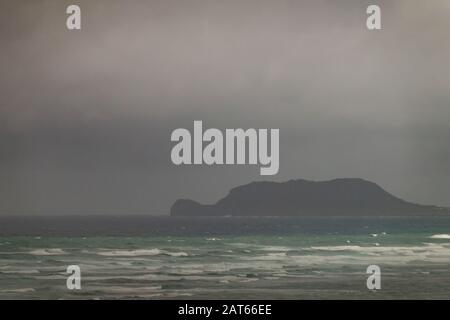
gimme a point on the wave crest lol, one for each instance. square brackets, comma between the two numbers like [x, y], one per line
[440, 236]
[48, 252]
[140, 253]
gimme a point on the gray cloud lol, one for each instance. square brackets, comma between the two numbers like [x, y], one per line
[86, 116]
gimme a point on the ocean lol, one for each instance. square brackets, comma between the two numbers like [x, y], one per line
[140, 257]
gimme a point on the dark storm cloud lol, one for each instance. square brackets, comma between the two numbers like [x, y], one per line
[86, 115]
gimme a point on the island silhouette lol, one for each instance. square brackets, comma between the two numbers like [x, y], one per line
[344, 197]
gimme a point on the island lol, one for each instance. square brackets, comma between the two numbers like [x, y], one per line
[338, 197]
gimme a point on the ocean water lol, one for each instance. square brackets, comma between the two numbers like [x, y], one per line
[225, 258]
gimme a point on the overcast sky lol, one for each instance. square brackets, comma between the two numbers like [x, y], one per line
[86, 116]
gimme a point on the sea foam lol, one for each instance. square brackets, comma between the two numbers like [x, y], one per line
[47, 252]
[140, 252]
[440, 236]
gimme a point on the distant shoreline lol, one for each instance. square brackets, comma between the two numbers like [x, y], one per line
[148, 226]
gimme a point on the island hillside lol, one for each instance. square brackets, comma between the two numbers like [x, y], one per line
[346, 197]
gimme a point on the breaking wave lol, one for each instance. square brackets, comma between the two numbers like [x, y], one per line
[47, 252]
[140, 253]
[440, 236]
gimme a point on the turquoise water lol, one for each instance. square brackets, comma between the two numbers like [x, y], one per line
[325, 264]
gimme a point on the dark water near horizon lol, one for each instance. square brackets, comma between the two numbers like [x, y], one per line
[140, 257]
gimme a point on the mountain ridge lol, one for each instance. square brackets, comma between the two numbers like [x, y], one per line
[300, 197]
